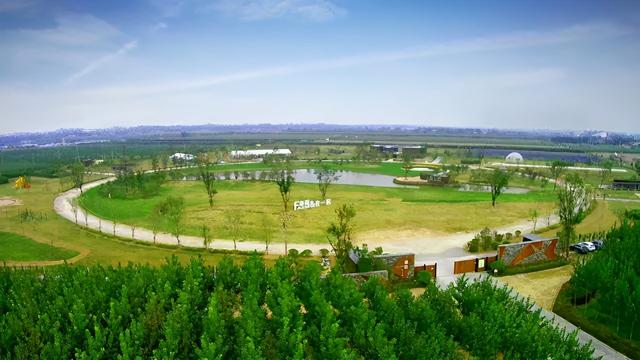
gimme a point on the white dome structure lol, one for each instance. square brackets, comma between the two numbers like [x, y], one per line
[514, 157]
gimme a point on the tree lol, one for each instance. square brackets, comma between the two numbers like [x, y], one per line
[156, 220]
[558, 167]
[498, 180]
[284, 181]
[326, 176]
[266, 228]
[571, 198]
[407, 164]
[233, 223]
[205, 231]
[74, 207]
[77, 175]
[208, 177]
[339, 233]
[605, 171]
[172, 209]
[285, 220]
[155, 163]
[533, 215]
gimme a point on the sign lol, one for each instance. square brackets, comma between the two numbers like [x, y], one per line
[309, 204]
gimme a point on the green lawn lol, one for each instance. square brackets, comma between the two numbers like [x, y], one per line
[100, 248]
[382, 168]
[438, 209]
[14, 247]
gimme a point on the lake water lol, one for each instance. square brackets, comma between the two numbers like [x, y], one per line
[486, 188]
[309, 176]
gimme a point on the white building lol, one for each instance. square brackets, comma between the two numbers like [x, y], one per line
[259, 152]
[182, 157]
[514, 157]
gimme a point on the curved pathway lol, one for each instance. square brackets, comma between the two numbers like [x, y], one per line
[427, 248]
[20, 264]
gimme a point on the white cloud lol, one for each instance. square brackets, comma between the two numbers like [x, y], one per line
[315, 10]
[16, 5]
[73, 30]
[71, 43]
[94, 65]
[484, 44]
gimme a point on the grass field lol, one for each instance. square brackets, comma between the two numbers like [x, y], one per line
[19, 248]
[438, 209]
[100, 248]
[542, 287]
[603, 217]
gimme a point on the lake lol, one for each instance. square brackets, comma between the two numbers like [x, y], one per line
[308, 176]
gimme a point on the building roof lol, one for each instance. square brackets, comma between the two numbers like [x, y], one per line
[533, 237]
[183, 156]
[260, 152]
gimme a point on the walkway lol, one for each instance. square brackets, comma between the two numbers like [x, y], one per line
[426, 247]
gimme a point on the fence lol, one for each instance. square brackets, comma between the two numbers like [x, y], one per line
[528, 252]
[473, 265]
[433, 269]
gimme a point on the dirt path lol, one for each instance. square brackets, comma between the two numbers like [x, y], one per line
[542, 287]
[9, 201]
[426, 244]
[83, 253]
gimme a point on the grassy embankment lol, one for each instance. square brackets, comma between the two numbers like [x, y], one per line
[55, 231]
[444, 210]
[19, 248]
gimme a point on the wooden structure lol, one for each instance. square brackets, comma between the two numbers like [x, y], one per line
[473, 265]
[400, 265]
[433, 269]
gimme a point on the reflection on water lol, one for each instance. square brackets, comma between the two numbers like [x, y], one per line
[345, 178]
[487, 188]
[309, 176]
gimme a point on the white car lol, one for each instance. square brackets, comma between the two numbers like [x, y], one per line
[589, 245]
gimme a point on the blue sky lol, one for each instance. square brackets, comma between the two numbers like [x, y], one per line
[507, 64]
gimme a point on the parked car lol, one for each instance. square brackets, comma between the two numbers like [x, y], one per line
[590, 246]
[580, 248]
[599, 244]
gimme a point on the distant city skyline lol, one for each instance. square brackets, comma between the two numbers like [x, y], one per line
[491, 64]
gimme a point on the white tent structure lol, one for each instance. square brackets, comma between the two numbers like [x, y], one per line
[260, 152]
[514, 157]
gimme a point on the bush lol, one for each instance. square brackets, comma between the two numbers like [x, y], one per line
[4, 179]
[470, 161]
[365, 264]
[423, 278]
[498, 266]
[306, 253]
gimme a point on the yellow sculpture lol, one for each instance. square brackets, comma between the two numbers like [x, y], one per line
[22, 183]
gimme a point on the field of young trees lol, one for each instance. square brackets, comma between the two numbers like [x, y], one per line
[604, 291]
[254, 312]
